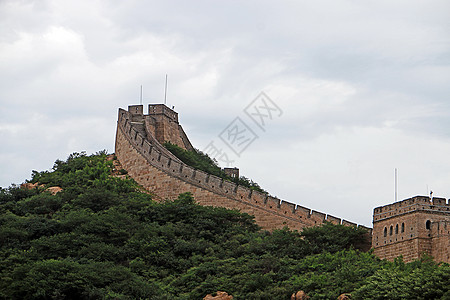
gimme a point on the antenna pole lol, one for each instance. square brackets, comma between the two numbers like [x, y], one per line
[165, 92]
[395, 184]
[142, 93]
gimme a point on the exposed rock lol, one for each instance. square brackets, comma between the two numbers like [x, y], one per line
[219, 296]
[29, 185]
[54, 190]
[300, 295]
[344, 297]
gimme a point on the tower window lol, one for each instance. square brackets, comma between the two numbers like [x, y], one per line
[390, 230]
[396, 229]
[385, 231]
[428, 224]
[403, 227]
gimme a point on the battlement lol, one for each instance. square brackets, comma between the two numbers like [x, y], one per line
[417, 203]
[159, 171]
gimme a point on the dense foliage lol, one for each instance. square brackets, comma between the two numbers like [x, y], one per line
[201, 161]
[102, 238]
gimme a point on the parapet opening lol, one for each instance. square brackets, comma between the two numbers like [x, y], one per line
[428, 224]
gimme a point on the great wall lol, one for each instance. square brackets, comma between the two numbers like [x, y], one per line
[406, 228]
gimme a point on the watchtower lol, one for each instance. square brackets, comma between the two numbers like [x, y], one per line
[411, 227]
[232, 172]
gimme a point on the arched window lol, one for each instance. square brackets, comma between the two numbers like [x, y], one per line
[396, 229]
[428, 224]
[403, 227]
[385, 231]
[390, 230]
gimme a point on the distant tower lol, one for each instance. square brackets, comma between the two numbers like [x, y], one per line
[161, 122]
[232, 172]
[412, 227]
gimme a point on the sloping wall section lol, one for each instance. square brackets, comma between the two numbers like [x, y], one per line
[160, 172]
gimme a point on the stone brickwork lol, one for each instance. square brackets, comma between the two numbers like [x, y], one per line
[138, 148]
[440, 242]
[412, 227]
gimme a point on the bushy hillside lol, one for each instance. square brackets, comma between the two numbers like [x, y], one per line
[101, 237]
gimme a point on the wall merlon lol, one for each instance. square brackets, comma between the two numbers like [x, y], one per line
[187, 172]
[369, 230]
[422, 199]
[348, 223]
[200, 177]
[242, 192]
[214, 182]
[334, 220]
[439, 201]
[164, 161]
[258, 198]
[147, 147]
[303, 211]
[136, 109]
[175, 167]
[133, 134]
[154, 155]
[273, 202]
[287, 207]
[122, 117]
[318, 216]
[139, 140]
[229, 187]
[127, 127]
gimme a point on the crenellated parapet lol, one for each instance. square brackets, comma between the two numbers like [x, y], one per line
[417, 203]
[154, 167]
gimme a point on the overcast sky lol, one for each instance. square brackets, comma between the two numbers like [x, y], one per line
[362, 88]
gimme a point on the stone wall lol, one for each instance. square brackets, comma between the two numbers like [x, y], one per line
[163, 174]
[440, 242]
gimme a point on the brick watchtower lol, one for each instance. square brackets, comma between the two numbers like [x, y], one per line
[412, 227]
[161, 122]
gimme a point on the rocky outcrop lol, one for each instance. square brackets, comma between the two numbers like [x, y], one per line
[300, 295]
[219, 296]
[54, 190]
[344, 297]
[29, 186]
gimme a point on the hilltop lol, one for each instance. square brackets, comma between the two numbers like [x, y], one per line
[101, 237]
